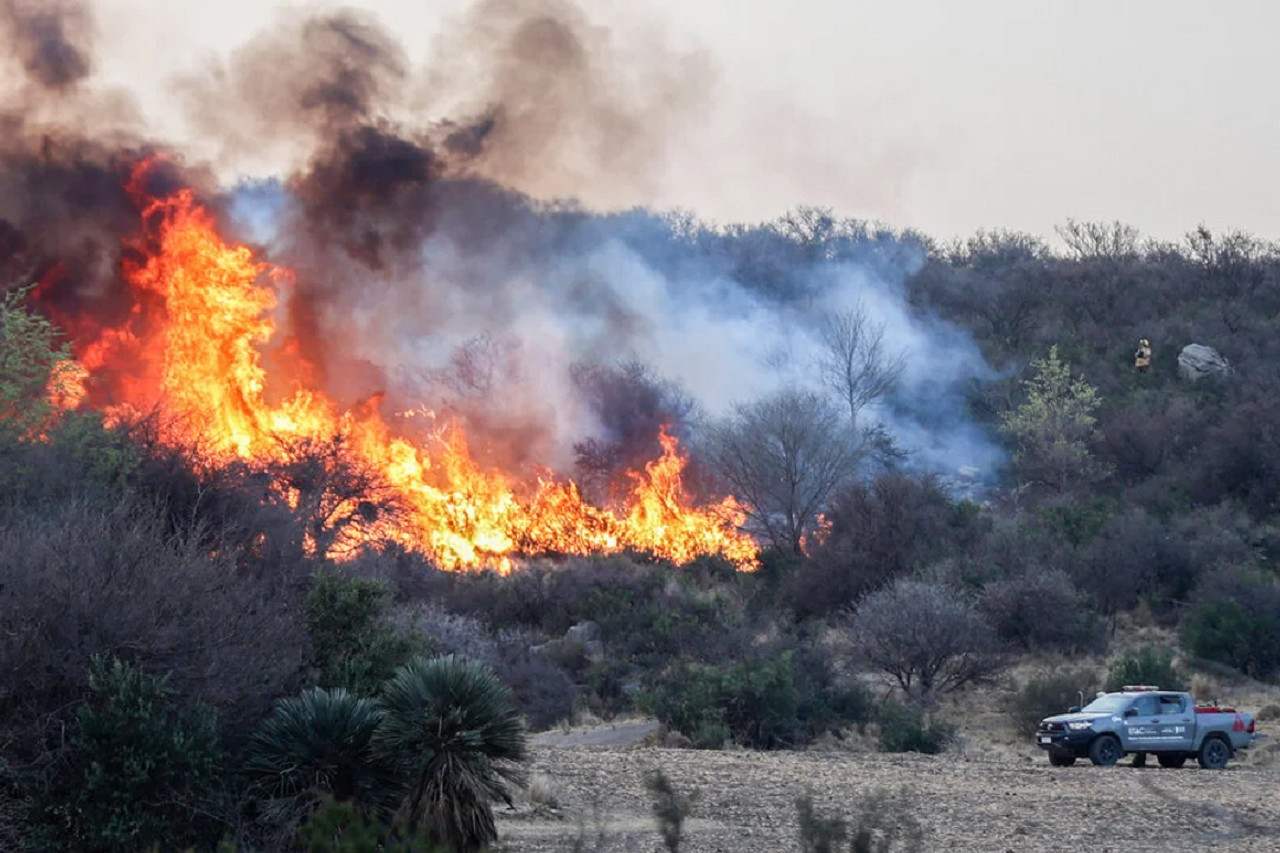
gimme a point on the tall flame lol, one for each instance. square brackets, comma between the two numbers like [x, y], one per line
[203, 363]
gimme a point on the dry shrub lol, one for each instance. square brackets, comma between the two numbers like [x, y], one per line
[83, 579]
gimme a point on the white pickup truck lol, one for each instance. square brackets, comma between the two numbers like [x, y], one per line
[1141, 719]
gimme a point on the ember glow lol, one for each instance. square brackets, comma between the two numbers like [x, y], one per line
[201, 347]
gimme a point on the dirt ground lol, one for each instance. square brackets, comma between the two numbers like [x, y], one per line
[593, 798]
[993, 790]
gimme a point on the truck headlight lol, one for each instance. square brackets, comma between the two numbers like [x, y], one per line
[1080, 726]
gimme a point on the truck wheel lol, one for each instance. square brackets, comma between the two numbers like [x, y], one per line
[1139, 759]
[1105, 750]
[1214, 753]
[1172, 760]
[1058, 760]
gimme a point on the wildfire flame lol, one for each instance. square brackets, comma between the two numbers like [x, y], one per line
[195, 346]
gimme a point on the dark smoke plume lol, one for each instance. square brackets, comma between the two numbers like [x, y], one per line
[50, 38]
[558, 106]
[293, 88]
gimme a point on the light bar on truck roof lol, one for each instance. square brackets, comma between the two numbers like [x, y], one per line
[1139, 688]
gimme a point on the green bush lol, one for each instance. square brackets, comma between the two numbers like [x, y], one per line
[1049, 693]
[1236, 622]
[33, 361]
[354, 645]
[138, 772]
[903, 728]
[1148, 665]
[774, 702]
[690, 699]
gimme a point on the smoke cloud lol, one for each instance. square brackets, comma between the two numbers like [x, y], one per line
[435, 261]
[50, 38]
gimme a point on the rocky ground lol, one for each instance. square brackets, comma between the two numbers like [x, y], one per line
[588, 796]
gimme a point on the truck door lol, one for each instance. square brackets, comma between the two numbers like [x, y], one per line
[1141, 724]
[1175, 721]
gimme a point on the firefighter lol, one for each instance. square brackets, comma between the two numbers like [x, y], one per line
[1142, 358]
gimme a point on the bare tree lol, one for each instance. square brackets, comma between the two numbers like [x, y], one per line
[1092, 240]
[783, 456]
[855, 364]
[924, 636]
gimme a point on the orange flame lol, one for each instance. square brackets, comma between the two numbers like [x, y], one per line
[207, 374]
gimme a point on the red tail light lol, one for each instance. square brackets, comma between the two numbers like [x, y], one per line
[1238, 726]
[1250, 729]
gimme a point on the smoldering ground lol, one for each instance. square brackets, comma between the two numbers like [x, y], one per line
[441, 260]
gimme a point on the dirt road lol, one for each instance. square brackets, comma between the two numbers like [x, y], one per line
[1011, 803]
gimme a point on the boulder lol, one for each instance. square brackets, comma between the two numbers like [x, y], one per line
[1196, 361]
[587, 635]
[583, 632]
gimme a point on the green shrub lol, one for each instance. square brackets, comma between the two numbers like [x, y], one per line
[1148, 665]
[775, 698]
[1048, 693]
[33, 361]
[1236, 621]
[764, 702]
[690, 698]
[903, 728]
[825, 700]
[138, 773]
[354, 645]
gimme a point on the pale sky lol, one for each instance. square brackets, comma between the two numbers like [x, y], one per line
[943, 115]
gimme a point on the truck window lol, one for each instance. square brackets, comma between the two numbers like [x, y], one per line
[1173, 704]
[1113, 704]
[1148, 706]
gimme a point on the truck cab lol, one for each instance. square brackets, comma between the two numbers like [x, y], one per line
[1143, 719]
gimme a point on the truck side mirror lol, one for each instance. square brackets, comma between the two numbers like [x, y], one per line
[1131, 712]
[1074, 709]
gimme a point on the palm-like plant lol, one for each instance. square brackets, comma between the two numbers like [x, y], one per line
[452, 725]
[323, 742]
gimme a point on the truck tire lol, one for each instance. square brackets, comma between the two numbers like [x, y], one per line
[1172, 760]
[1214, 753]
[1105, 750]
[1058, 760]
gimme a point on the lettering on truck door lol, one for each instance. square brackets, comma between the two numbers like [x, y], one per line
[1142, 724]
[1176, 721]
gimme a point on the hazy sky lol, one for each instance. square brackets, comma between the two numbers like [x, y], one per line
[937, 114]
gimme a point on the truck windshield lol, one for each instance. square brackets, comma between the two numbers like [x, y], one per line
[1107, 705]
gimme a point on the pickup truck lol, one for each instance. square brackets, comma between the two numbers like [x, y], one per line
[1141, 719]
